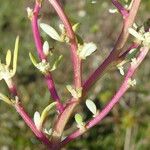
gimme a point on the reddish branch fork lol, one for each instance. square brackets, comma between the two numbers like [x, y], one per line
[124, 87]
[39, 47]
[128, 20]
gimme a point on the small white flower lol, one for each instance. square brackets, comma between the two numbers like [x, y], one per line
[112, 11]
[131, 82]
[43, 66]
[30, 12]
[121, 70]
[5, 72]
[82, 13]
[48, 132]
[120, 67]
[133, 61]
[94, 1]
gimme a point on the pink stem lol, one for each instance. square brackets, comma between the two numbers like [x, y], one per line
[31, 125]
[117, 47]
[100, 70]
[73, 43]
[63, 118]
[124, 87]
[133, 46]
[36, 33]
[38, 43]
[120, 8]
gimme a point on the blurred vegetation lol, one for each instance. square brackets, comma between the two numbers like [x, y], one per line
[127, 124]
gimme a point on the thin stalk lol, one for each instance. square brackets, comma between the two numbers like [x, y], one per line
[120, 8]
[27, 119]
[73, 43]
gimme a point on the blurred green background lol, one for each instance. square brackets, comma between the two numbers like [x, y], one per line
[127, 127]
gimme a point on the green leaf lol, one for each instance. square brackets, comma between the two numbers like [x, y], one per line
[91, 106]
[8, 58]
[33, 60]
[79, 119]
[79, 39]
[56, 63]
[51, 32]
[87, 49]
[46, 111]
[5, 99]
[132, 53]
[15, 57]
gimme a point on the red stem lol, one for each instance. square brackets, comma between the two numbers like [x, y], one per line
[73, 43]
[63, 118]
[124, 87]
[117, 47]
[39, 47]
[120, 8]
[31, 125]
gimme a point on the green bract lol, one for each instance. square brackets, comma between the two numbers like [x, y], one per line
[5, 99]
[75, 93]
[46, 111]
[51, 32]
[86, 50]
[141, 35]
[91, 106]
[5, 72]
[45, 66]
[79, 119]
[39, 119]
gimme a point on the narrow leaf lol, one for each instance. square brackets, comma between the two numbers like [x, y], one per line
[75, 27]
[33, 60]
[15, 57]
[8, 58]
[50, 31]
[5, 99]
[72, 91]
[91, 106]
[46, 111]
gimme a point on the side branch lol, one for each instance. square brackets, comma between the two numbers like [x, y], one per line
[128, 22]
[61, 121]
[40, 136]
[124, 87]
[73, 43]
[120, 8]
[39, 46]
